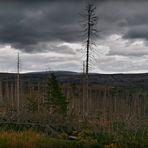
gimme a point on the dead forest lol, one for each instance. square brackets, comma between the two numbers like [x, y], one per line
[111, 101]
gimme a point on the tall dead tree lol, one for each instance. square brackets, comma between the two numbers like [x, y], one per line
[89, 32]
[18, 84]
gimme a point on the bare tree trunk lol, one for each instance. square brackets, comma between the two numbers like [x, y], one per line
[11, 92]
[18, 86]
[38, 95]
[83, 87]
[89, 30]
[88, 40]
[1, 97]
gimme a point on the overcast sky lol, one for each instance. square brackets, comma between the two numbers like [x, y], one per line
[47, 35]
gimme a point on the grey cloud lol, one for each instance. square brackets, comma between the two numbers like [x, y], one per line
[128, 18]
[119, 64]
[25, 24]
[45, 47]
[46, 62]
[137, 32]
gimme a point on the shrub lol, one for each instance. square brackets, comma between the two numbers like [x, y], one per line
[86, 136]
[63, 136]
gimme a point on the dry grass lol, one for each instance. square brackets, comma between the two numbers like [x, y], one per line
[31, 139]
[20, 139]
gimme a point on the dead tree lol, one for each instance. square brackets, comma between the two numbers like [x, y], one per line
[89, 32]
[18, 84]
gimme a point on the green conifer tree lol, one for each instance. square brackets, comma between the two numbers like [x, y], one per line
[55, 96]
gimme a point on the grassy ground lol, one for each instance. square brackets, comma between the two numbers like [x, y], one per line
[31, 139]
[21, 136]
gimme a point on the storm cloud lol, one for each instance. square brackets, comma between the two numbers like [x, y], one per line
[52, 27]
[26, 24]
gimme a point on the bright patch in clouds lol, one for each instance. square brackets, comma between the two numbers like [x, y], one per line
[113, 54]
[123, 56]
[51, 60]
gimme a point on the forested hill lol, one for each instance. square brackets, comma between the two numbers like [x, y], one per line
[94, 78]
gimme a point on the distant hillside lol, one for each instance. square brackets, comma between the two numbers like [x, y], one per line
[73, 77]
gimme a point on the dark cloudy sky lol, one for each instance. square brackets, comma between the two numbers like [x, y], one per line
[47, 34]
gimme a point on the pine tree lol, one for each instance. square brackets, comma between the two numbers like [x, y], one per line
[55, 96]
